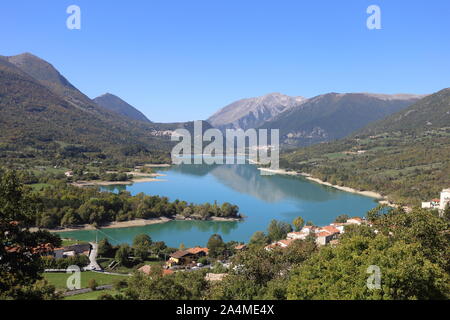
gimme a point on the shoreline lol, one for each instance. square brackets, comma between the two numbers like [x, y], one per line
[134, 223]
[139, 178]
[370, 194]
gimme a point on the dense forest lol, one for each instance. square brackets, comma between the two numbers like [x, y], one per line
[64, 205]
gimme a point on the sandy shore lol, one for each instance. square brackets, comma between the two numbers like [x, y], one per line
[138, 178]
[157, 165]
[114, 225]
[280, 171]
[371, 194]
[133, 223]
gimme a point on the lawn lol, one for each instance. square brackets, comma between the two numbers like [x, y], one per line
[39, 186]
[69, 242]
[59, 280]
[104, 263]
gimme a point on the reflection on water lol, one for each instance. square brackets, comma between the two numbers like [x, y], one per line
[247, 179]
[260, 199]
[158, 232]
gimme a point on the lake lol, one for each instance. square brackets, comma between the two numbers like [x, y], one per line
[260, 199]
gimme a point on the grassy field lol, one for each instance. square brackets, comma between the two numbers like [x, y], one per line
[39, 186]
[59, 280]
[104, 263]
[69, 242]
[94, 295]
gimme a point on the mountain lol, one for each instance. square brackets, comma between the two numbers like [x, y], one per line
[404, 157]
[333, 116]
[47, 117]
[117, 105]
[49, 76]
[252, 112]
[432, 112]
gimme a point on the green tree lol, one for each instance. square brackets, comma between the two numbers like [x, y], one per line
[123, 255]
[278, 230]
[235, 287]
[298, 223]
[259, 239]
[20, 262]
[341, 272]
[156, 287]
[447, 212]
[342, 218]
[142, 245]
[105, 249]
[70, 218]
[216, 246]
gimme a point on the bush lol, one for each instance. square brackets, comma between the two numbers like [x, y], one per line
[92, 284]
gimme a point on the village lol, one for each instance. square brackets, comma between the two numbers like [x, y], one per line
[322, 235]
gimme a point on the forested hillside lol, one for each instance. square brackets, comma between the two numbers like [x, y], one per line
[405, 157]
[36, 123]
[334, 116]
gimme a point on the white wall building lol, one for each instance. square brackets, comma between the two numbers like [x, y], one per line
[439, 204]
[445, 199]
[433, 204]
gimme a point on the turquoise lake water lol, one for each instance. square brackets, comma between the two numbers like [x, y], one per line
[260, 199]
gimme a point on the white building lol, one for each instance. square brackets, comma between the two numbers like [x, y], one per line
[355, 220]
[433, 204]
[297, 235]
[445, 199]
[439, 204]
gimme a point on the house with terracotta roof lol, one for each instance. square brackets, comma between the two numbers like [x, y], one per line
[72, 250]
[324, 237]
[188, 256]
[326, 234]
[42, 249]
[240, 247]
[330, 229]
[285, 243]
[302, 234]
[279, 244]
[339, 226]
[147, 269]
[201, 252]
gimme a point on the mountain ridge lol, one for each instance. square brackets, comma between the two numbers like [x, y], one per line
[119, 106]
[333, 116]
[404, 156]
[252, 112]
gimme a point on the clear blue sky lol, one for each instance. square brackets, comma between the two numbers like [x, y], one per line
[183, 60]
